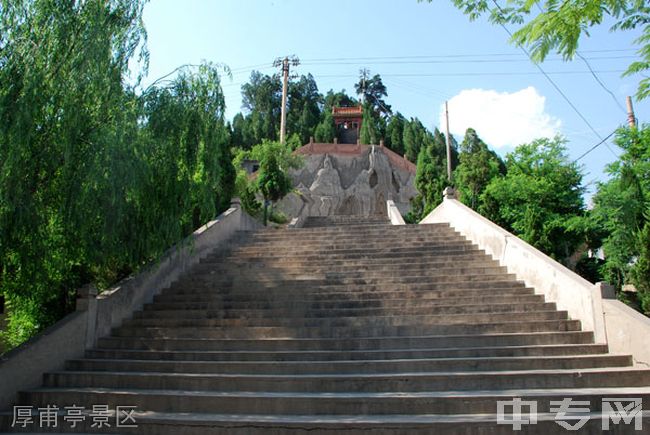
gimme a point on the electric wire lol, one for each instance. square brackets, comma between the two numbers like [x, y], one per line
[557, 88]
[595, 146]
[593, 73]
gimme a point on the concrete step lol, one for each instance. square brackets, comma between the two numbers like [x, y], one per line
[345, 355]
[358, 382]
[172, 423]
[308, 282]
[297, 262]
[237, 332]
[154, 312]
[336, 296]
[392, 229]
[355, 367]
[270, 274]
[356, 243]
[323, 288]
[377, 321]
[317, 403]
[258, 264]
[194, 302]
[380, 237]
[482, 339]
[441, 228]
[339, 221]
[150, 317]
[296, 249]
[348, 254]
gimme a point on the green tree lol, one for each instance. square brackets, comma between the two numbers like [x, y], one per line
[410, 141]
[240, 137]
[276, 159]
[304, 107]
[540, 198]
[551, 25]
[415, 137]
[373, 91]
[369, 133]
[640, 272]
[431, 172]
[430, 180]
[478, 166]
[273, 182]
[96, 180]
[64, 119]
[187, 149]
[338, 99]
[262, 100]
[325, 130]
[395, 133]
[621, 207]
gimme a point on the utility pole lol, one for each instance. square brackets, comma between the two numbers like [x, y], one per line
[284, 63]
[448, 143]
[364, 76]
[631, 119]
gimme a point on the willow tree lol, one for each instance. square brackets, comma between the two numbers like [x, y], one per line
[63, 115]
[95, 180]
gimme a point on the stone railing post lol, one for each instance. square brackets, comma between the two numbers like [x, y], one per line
[607, 290]
[449, 193]
[235, 202]
[87, 301]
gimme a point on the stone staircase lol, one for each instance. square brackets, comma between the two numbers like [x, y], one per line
[344, 326]
[342, 220]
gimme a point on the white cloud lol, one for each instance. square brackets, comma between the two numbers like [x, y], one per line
[500, 118]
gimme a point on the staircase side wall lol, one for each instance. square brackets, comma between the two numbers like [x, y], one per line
[628, 332]
[23, 367]
[572, 293]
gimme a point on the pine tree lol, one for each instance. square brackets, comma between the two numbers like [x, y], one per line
[368, 134]
[325, 131]
[478, 166]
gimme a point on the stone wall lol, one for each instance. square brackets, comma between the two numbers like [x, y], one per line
[22, 368]
[348, 183]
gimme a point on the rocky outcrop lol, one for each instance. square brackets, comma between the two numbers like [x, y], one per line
[343, 184]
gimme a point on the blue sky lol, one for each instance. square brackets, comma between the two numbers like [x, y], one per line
[426, 53]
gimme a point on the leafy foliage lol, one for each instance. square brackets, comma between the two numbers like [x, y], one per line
[395, 133]
[368, 134]
[325, 131]
[96, 180]
[272, 179]
[431, 172]
[478, 166]
[262, 103]
[621, 208]
[539, 198]
[373, 92]
[552, 25]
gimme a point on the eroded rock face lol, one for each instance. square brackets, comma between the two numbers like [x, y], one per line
[330, 184]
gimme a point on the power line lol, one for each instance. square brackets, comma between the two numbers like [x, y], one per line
[437, 56]
[480, 73]
[557, 88]
[602, 85]
[595, 146]
[443, 61]
[593, 73]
